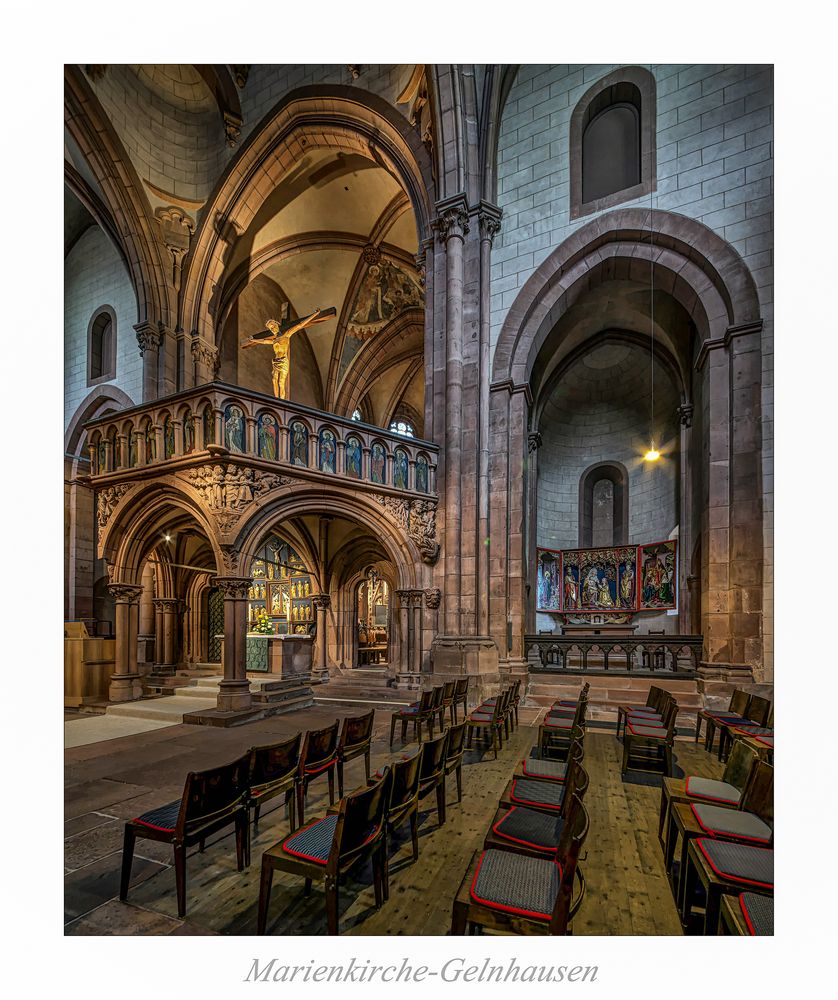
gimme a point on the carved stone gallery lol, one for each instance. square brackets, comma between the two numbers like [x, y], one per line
[401, 379]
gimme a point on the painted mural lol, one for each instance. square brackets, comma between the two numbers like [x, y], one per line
[608, 580]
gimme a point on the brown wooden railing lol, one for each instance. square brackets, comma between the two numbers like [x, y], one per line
[671, 654]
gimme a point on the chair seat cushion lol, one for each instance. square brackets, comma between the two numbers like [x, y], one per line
[722, 822]
[162, 818]
[649, 732]
[555, 722]
[556, 770]
[758, 911]
[531, 828]
[739, 862]
[712, 790]
[547, 794]
[515, 883]
[410, 710]
[481, 717]
[754, 730]
[767, 740]
[640, 710]
[648, 718]
[565, 703]
[314, 841]
[724, 716]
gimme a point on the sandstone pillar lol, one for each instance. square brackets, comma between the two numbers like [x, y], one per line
[165, 615]
[322, 603]
[149, 339]
[126, 684]
[685, 526]
[234, 691]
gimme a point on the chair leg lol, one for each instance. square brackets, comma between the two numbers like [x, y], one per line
[127, 859]
[340, 779]
[331, 779]
[495, 741]
[301, 802]
[180, 878]
[440, 800]
[414, 834]
[393, 721]
[307, 887]
[431, 726]
[332, 906]
[376, 880]
[242, 841]
[697, 727]
[256, 810]
[626, 751]
[291, 805]
[459, 918]
[459, 773]
[366, 766]
[264, 896]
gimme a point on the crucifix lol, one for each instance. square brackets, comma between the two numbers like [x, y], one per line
[279, 337]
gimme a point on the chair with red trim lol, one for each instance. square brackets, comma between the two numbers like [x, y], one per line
[486, 724]
[726, 792]
[447, 703]
[759, 720]
[274, 769]
[571, 703]
[432, 777]
[652, 710]
[211, 800]
[512, 704]
[736, 710]
[417, 713]
[327, 848]
[639, 718]
[437, 709]
[721, 867]
[355, 740]
[545, 796]
[460, 696]
[403, 804]
[553, 770]
[318, 756]
[519, 894]
[535, 831]
[454, 754]
[750, 823]
[555, 734]
[749, 914]
[650, 743]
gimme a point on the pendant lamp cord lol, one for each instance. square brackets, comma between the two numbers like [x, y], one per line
[652, 298]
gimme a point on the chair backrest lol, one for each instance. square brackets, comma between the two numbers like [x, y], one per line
[655, 696]
[758, 796]
[577, 784]
[275, 761]
[437, 696]
[360, 817]
[461, 687]
[357, 730]
[758, 710]
[448, 692]
[210, 795]
[573, 836]
[319, 746]
[456, 742]
[740, 763]
[739, 702]
[433, 760]
[426, 700]
[670, 717]
[405, 780]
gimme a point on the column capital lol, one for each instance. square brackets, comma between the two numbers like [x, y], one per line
[416, 598]
[125, 593]
[534, 441]
[206, 354]
[452, 218]
[233, 588]
[321, 601]
[685, 413]
[149, 336]
[489, 218]
[404, 597]
[166, 603]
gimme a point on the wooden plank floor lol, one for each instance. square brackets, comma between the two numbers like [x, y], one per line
[107, 783]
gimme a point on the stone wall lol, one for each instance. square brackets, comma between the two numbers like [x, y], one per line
[95, 276]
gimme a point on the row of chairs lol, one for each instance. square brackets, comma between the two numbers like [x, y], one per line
[229, 795]
[527, 879]
[363, 824]
[747, 715]
[725, 829]
[648, 731]
[432, 703]
[495, 718]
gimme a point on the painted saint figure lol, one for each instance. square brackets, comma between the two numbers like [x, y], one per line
[421, 475]
[188, 434]
[299, 444]
[353, 457]
[327, 451]
[571, 589]
[279, 337]
[400, 470]
[234, 429]
[627, 588]
[377, 463]
[267, 437]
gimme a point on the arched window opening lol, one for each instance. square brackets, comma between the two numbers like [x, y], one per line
[356, 414]
[101, 350]
[611, 152]
[401, 426]
[603, 506]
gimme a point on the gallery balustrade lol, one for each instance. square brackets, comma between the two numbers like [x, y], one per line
[225, 421]
[677, 655]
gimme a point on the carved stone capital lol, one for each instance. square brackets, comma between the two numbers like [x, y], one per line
[404, 598]
[433, 598]
[452, 219]
[240, 75]
[234, 588]
[416, 598]
[232, 127]
[321, 601]
[206, 354]
[685, 413]
[488, 218]
[125, 593]
[170, 604]
[534, 441]
[106, 501]
[149, 336]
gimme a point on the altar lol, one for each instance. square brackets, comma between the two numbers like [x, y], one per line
[286, 656]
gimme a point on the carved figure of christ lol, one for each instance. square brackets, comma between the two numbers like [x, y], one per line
[279, 337]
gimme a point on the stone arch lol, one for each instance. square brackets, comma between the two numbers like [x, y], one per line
[618, 475]
[95, 404]
[692, 263]
[307, 118]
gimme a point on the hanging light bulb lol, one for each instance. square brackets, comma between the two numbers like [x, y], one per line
[652, 455]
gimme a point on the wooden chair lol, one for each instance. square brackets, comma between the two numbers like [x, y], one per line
[650, 718]
[532, 830]
[651, 743]
[460, 696]
[454, 755]
[749, 914]
[355, 740]
[211, 800]
[725, 792]
[512, 705]
[553, 770]
[417, 713]
[571, 703]
[437, 709]
[514, 893]
[555, 734]
[403, 805]
[750, 823]
[274, 769]
[736, 709]
[487, 725]
[319, 755]
[544, 796]
[759, 718]
[432, 775]
[652, 708]
[327, 848]
[447, 704]
[723, 868]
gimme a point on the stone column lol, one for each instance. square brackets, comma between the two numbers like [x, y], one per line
[166, 614]
[451, 228]
[149, 339]
[405, 655]
[685, 525]
[322, 603]
[416, 638]
[126, 684]
[234, 691]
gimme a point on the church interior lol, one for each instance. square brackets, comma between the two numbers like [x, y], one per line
[418, 499]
